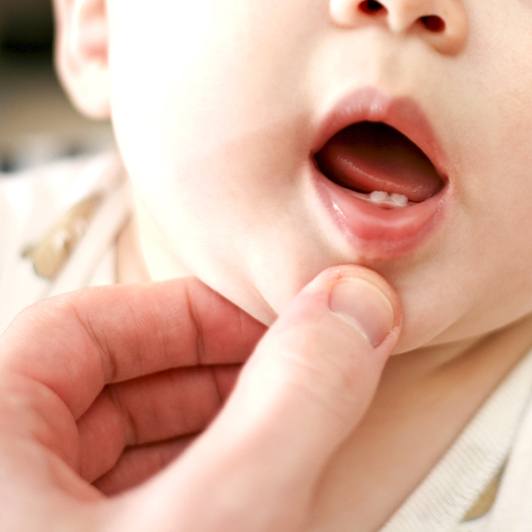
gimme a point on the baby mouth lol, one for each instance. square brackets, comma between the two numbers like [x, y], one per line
[379, 165]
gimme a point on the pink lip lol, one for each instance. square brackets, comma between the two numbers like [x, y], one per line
[376, 232]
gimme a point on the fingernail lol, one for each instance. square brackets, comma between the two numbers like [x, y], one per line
[364, 306]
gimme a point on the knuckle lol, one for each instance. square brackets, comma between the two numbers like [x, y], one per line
[52, 322]
[52, 308]
[43, 314]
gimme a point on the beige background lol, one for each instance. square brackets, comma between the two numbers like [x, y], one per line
[37, 122]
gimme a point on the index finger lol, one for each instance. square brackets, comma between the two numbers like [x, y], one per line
[77, 343]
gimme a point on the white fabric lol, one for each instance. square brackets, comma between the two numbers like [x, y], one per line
[451, 488]
[32, 202]
[512, 511]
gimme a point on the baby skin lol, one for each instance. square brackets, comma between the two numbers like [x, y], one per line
[265, 142]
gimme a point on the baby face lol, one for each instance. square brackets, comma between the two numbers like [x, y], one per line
[217, 107]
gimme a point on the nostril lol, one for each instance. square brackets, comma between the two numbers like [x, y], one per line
[433, 23]
[371, 6]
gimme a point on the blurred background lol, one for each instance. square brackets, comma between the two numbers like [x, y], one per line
[37, 122]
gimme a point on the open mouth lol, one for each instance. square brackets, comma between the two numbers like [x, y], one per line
[380, 165]
[380, 172]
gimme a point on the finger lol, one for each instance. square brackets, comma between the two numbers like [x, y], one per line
[149, 409]
[303, 391]
[76, 343]
[315, 372]
[140, 463]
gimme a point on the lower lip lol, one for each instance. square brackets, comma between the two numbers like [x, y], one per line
[377, 232]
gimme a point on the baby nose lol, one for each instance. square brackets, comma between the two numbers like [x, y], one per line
[441, 23]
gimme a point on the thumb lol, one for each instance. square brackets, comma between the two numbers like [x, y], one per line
[308, 383]
[313, 375]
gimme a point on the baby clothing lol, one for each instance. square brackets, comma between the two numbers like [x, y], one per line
[58, 234]
[480, 482]
[59, 225]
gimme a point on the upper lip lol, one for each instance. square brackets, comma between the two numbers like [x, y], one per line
[402, 113]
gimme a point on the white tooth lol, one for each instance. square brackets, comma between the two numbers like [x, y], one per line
[378, 196]
[399, 199]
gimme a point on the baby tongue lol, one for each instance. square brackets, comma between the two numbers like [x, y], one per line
[373, 156]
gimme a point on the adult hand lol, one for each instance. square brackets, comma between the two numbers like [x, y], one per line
[103, 388]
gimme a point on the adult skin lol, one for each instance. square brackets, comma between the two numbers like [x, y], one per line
[108, 387]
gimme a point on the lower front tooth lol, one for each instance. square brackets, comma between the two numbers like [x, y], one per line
[378, 196]
[381, 197]
[399, 199]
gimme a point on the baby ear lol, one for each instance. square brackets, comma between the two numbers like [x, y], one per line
[81, 54]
